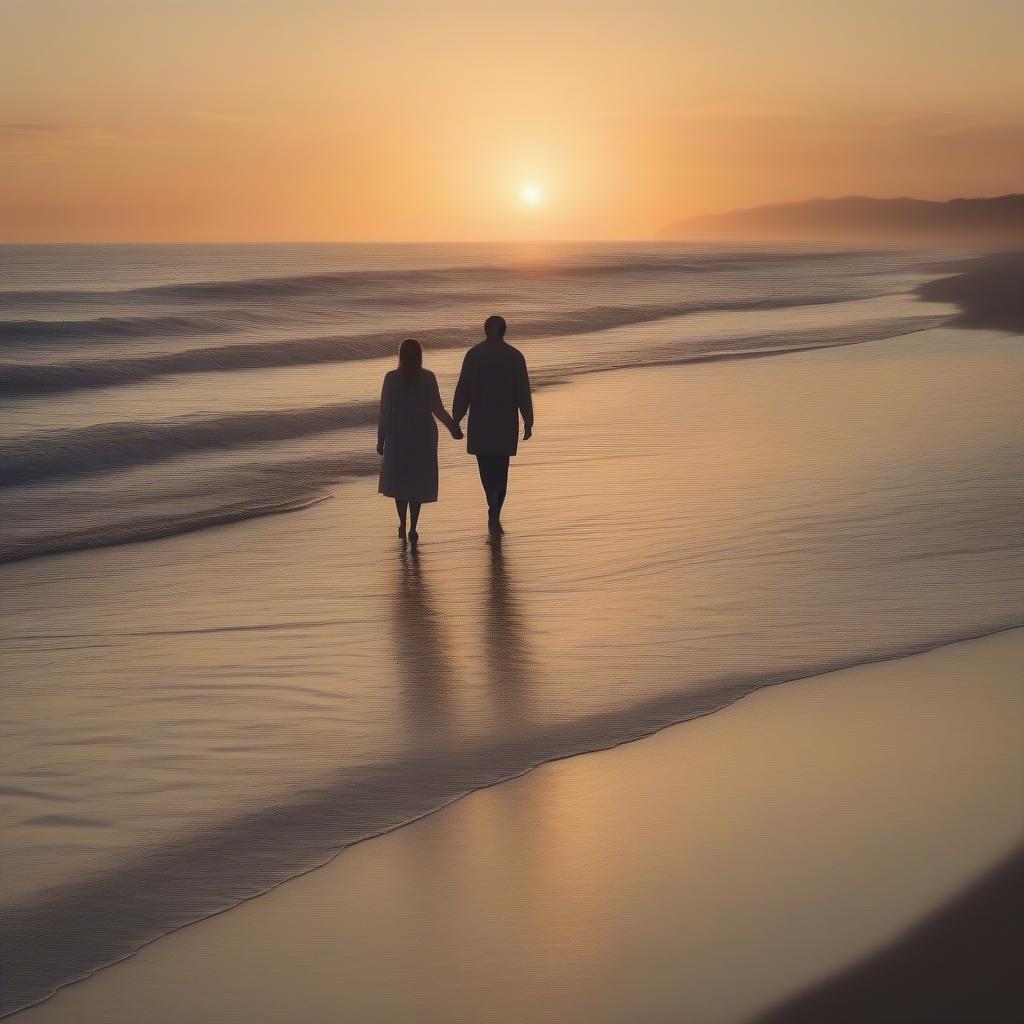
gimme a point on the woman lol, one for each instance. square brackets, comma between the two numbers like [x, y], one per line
[407, 436]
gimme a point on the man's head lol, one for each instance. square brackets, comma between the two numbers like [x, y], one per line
[494, 328]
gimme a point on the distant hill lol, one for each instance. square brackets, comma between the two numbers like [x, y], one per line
[997, 220]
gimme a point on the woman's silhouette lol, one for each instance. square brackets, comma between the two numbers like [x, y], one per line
[407, 436]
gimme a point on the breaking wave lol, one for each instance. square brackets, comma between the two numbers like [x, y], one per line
[39, 378]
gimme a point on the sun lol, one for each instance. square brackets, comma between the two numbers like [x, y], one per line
[531, 193]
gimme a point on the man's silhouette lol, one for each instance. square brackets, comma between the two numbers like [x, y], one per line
[494, 387]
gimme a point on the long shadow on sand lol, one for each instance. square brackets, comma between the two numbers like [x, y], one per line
[421, 647]
[510, 670]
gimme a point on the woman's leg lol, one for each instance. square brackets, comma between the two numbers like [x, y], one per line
[401, 506]
[414, 515]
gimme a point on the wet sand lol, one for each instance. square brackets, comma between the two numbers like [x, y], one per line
[705, 874]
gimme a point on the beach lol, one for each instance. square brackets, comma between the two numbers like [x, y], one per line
[704, 874]
[817, 479]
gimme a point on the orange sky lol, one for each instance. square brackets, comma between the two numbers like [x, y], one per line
[402, 119]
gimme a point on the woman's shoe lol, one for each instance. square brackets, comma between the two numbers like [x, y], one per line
[413, 537]
[401, 532]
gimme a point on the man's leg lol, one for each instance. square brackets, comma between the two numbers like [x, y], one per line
[494, 477]
[500, 482]
[485, 465]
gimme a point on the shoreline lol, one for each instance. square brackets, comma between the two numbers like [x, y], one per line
[69, 912]
[845, 734]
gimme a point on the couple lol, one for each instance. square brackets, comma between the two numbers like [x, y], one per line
[494, 387]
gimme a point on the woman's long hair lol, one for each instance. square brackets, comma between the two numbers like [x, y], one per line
[410, 359]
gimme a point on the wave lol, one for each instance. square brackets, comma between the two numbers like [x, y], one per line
[49, 378]
[50, 454]
[247, 492]
[295, 286]
[112, 327]
[782, 343]
[80, 927]
[314, 284]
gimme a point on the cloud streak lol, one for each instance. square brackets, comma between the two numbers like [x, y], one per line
[42, 141]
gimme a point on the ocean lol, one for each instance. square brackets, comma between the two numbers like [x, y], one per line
[254, 370]
[751, 464]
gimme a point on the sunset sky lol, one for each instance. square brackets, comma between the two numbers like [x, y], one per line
[223, 120]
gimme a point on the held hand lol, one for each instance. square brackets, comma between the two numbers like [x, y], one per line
[380, 447]
[527, 433]
[457, 433]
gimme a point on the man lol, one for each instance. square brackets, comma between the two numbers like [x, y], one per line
[494, 387]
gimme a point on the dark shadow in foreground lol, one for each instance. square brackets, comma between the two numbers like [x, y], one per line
[961, 965]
